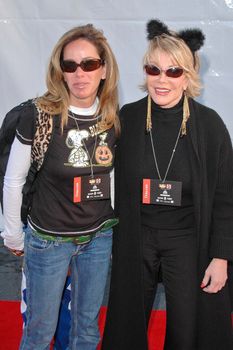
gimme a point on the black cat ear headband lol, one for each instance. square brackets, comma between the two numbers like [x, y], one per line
[194, 38]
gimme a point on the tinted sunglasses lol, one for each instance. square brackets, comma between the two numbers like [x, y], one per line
[172, 72]
[88, 65]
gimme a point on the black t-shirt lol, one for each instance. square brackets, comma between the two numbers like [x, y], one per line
[70, 155]
[166, 124]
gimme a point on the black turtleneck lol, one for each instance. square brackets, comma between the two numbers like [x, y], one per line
[165, 127]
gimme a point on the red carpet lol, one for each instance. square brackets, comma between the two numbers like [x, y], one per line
[11, 326]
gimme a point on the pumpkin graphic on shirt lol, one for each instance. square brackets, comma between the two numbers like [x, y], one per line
[103, 154]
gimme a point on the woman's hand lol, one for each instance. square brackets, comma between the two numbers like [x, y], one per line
[16, 252]
[215, 276]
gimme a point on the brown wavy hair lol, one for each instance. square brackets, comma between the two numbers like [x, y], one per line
[56, 99]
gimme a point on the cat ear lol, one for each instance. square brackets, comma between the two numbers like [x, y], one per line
[156, 28]
[194, 38]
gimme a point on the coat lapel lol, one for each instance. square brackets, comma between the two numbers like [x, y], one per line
[135, 144]
[194, 156]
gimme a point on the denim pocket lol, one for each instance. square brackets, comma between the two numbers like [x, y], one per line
[105, 233]
[37, 243]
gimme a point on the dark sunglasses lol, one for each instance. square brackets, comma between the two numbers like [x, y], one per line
[88, 65]
[172, 72]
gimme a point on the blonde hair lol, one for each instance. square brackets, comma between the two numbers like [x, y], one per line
[181, 54]
[56, 99]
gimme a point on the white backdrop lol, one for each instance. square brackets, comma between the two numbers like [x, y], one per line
[29, 30]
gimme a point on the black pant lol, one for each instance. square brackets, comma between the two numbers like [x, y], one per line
[175, 252]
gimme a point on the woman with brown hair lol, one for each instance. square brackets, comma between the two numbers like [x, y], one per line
[71, 218]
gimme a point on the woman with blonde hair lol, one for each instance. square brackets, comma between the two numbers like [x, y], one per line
[70, 218]
[174, 189]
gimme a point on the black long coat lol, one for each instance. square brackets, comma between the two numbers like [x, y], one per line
[211, 161]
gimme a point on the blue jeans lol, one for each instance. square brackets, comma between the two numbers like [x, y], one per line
[46, 265]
